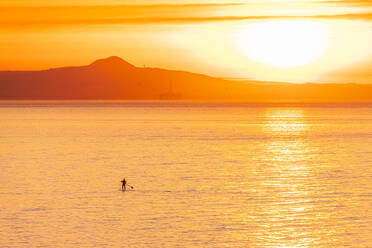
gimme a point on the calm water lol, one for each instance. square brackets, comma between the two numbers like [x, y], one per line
[204, 175]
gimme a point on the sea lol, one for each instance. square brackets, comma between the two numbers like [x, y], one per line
[281, 175]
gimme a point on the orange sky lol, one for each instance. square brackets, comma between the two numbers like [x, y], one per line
[296, 41]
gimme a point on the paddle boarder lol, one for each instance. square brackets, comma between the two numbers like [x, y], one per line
[123, 185]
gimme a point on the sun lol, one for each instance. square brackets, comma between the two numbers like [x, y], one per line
[283, 43]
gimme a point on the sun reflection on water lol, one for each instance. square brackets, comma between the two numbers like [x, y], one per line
[285, 122]
[286, 178]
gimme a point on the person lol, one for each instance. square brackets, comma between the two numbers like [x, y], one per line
[123, 185]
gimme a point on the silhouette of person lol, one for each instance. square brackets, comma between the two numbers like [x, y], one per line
[123, 185]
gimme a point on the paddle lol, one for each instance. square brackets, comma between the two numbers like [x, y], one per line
[131, 186]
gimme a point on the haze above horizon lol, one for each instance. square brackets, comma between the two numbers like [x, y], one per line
[288, 41]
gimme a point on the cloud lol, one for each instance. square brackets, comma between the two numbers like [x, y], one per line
[351, 2]
[50, 15]
[54, 16]
[174, 20]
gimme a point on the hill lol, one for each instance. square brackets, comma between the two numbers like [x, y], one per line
[115, 79]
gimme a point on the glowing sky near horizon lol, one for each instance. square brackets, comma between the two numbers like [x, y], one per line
[295, 41]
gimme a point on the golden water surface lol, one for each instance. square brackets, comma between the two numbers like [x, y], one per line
[204, 175]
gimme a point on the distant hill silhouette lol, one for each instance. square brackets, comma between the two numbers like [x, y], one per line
[115, 79]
